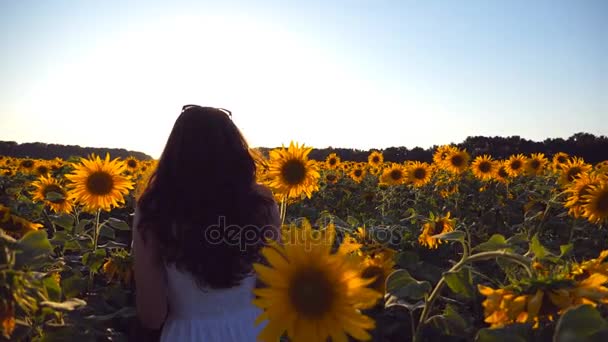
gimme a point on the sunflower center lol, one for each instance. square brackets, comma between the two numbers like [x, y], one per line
[602, 202]
[331, 177]
[293, 172]
[100, 183]
[396, 175]
[457, 160]
[54, 188]
[516, 164]
[439, 225]
[573, 172]
[376, 159]
[131, 163]
[27, 164]
[535, 164]
[43, 170]
[332, 161]
[311, 293]
[503, 173]
[485, 167]
[358, 173]
[419, 173]
[561, 159]
[374, 271]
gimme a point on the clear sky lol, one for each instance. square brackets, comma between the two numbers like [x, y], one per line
[352, 73]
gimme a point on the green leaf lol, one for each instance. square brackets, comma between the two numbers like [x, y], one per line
[455, 235]
[64, 221]
[36, 240]
[107, 232]
[118, 224]
[537, 248]
[496, 242]
[401, 284]
[94, 260]
[565, 250]
[461, 282]
[450, 322]
[113, 244]
[34, 248]
[353, 222]
[81, 226]
[68, 305]
[510, 333]
[53, 288]
[125, 312]
[579, 324]
[407, 259]
[73, 286]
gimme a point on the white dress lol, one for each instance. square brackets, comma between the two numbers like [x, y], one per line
[210, 315]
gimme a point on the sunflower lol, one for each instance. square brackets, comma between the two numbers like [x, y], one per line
[436, 225]
[42, 168]
[378, 267]
[142, 182]
[515, 165]
[572, 169]
[331, 177]
[501, 175]
[46, 187]
[375, 159]
[602, 167]
[7, 318]
[349, 245]
[132, 164]
[484, 167]
[560, 159]
[27, 165]
[577, 190]
[312, 294]
[16, 226]
[357, 173]
[5, 214]
[535, 165]
[332, 162]
[419, 173]
[291, 173]
[395, 174]
[596, 207]
[442, 153]
[98, 184]
[457, 161]
[119, 267]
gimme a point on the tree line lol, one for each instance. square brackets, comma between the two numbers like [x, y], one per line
[50, 151]
[591, 148]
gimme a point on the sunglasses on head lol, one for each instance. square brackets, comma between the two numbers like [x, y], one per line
[186, 107]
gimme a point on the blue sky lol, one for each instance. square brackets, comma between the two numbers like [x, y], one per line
[357, 73]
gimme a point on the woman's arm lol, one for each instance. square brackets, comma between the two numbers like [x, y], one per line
[150, 279]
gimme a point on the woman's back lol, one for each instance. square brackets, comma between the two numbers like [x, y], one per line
[206, 314]
[194, 285]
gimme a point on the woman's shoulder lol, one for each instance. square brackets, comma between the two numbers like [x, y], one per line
[264, 191]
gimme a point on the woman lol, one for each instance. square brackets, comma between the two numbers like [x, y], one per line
[198, 227]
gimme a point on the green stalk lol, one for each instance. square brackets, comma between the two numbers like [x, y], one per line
[521, 260]
[95, 238]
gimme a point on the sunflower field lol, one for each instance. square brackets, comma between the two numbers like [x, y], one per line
[466, 248]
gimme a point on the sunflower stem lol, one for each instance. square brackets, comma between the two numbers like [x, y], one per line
[95, 238]
[283, 209]
[519, 259]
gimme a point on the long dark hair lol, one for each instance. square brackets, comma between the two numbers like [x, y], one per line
[202, 203]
